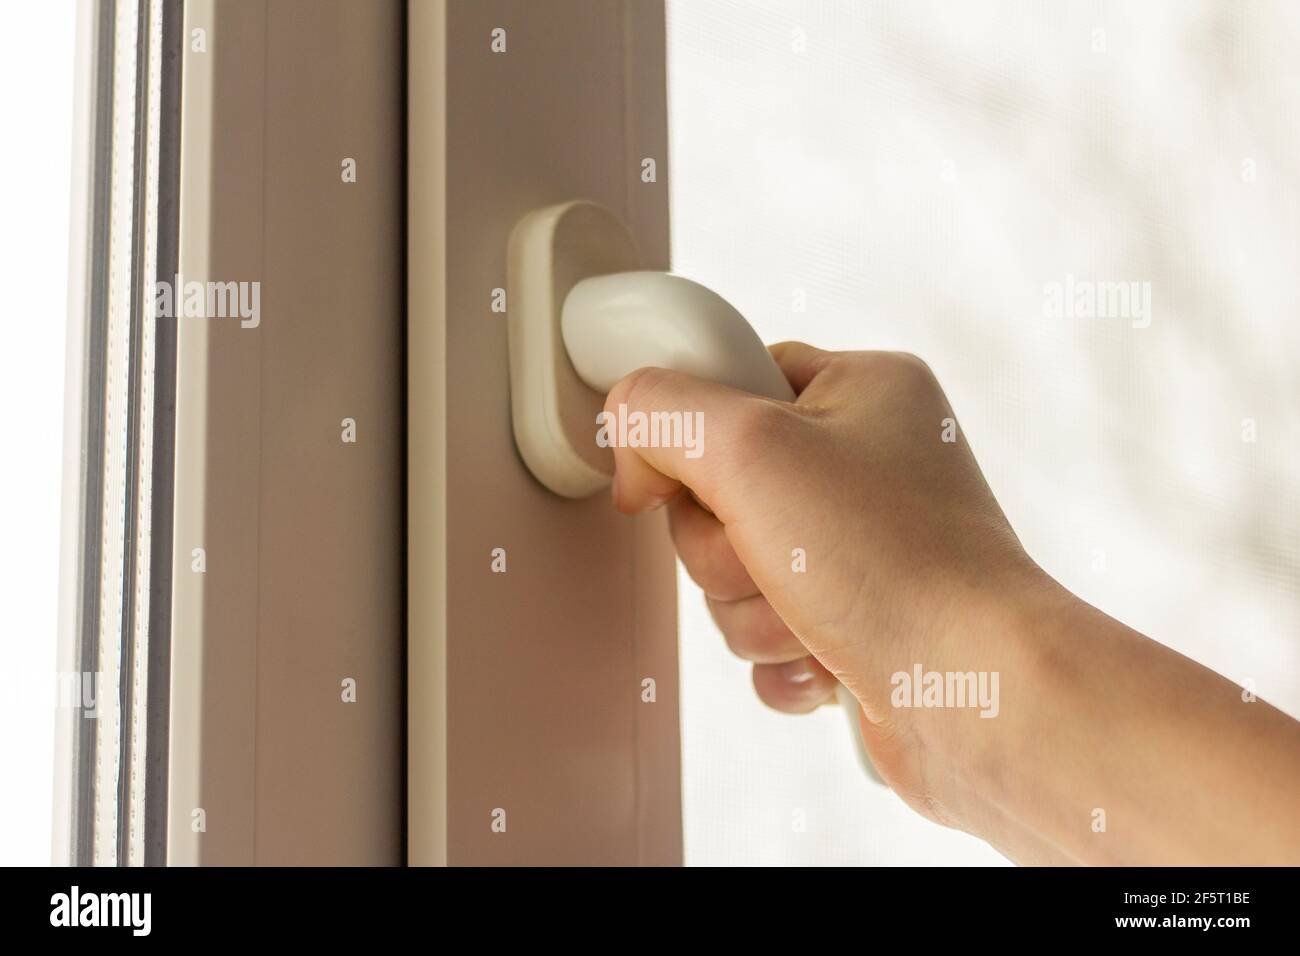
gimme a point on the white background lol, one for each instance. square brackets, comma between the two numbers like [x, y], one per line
[36, 72]
[919, 172]
[809, 147]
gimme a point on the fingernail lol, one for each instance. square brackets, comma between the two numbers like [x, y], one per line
[801, 671]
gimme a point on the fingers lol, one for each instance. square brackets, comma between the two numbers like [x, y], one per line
[647, 476]
[708, 556]
[638, 485]
[721, 420]
[799, 362]
[755, 632]
[743, 431]
[795, 687]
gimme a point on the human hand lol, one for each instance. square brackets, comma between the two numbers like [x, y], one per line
[847, 536]
[850, 536]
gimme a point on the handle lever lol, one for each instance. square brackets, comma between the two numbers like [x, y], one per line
[615, 324]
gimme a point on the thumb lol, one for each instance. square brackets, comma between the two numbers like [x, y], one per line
[671, 429]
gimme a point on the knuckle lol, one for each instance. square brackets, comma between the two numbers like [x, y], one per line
[636, 388]
[910, 375]
[704, 565]
[738, 638]
[756, 426]
[756, 636]
[911, 365]
[706, 554]
[739, 643]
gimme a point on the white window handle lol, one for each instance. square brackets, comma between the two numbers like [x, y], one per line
[615, 324]
[582, 315]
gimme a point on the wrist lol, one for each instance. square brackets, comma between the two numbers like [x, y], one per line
[1004, 642]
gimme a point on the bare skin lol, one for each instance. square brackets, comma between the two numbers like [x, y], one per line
[911, 561]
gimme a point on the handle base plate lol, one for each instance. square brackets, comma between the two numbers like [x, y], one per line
[554, 412]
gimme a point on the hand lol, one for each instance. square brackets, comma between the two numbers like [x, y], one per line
[848, 540]
[851, 537]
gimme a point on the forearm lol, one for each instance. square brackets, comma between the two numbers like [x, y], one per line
[1118, 750]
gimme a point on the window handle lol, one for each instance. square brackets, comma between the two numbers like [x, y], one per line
[582, 314]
